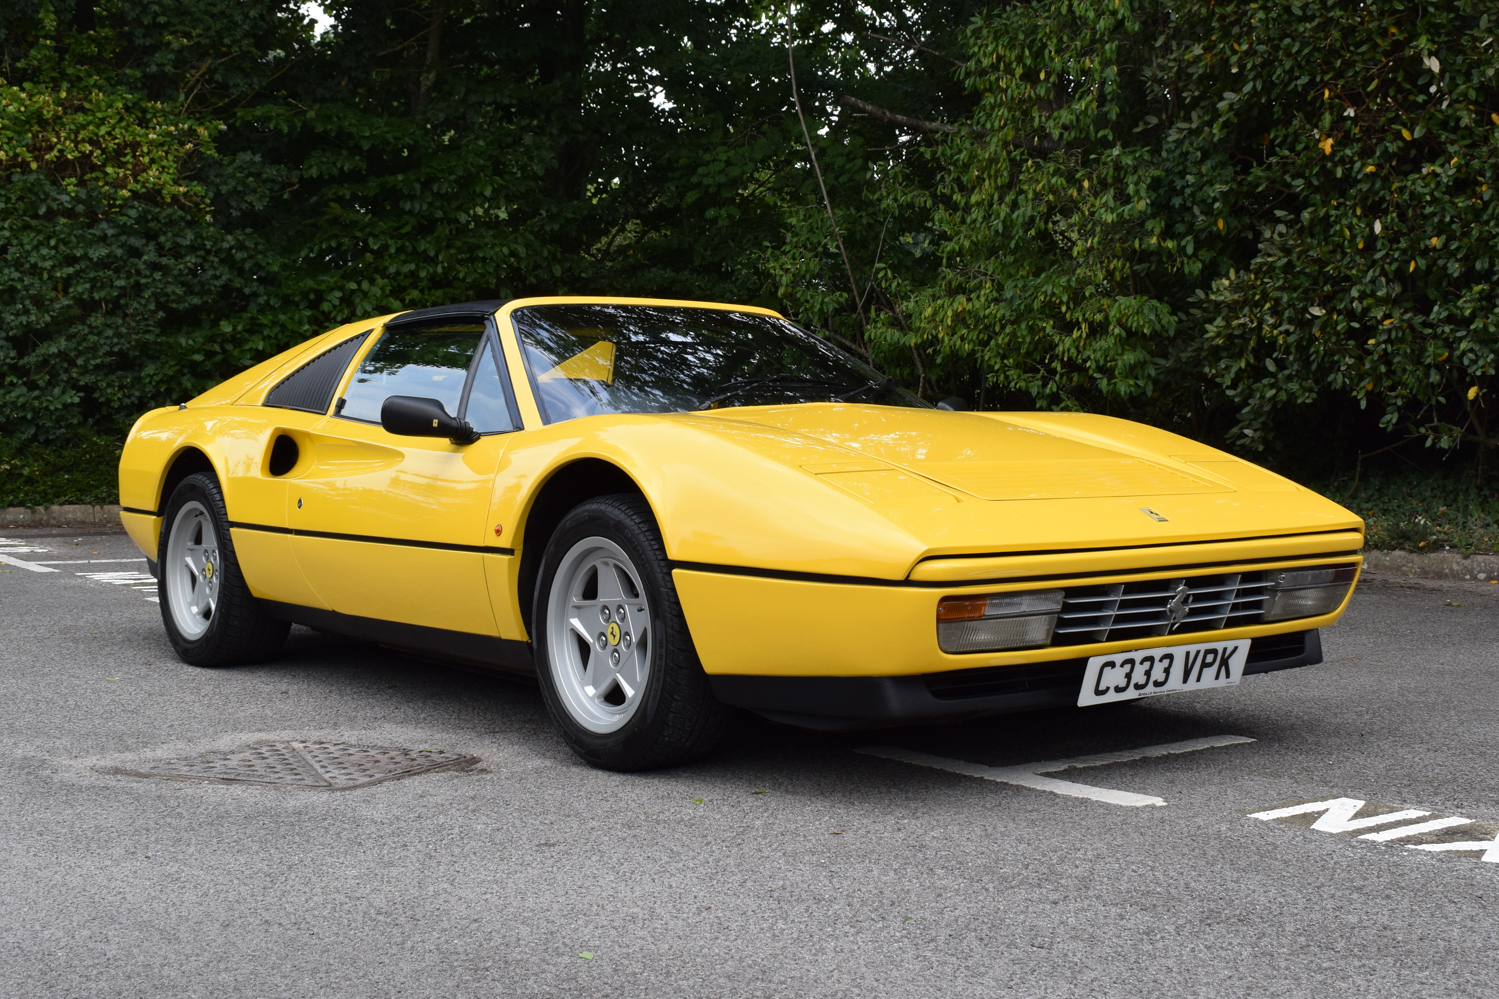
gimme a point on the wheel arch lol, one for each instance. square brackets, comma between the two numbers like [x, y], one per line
[189, 460]
[567, 486]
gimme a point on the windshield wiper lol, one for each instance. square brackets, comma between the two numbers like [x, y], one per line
[880, 389]
[732, 388]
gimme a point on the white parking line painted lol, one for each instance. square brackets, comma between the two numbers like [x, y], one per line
[16, 546]
[123, 577]
[90, 561]
[1339, 815]
[1029, 774]
[1489, 846]
[1416, 830]
[32, 566]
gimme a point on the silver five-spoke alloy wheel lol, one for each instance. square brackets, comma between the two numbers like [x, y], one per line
[191, 570]
[598, 635]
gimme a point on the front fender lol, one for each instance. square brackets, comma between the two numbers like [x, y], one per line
[725, 492]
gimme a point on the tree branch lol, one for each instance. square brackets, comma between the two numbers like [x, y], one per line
[853, 282]
[915, 124]
[910, 44]
[1037, 145]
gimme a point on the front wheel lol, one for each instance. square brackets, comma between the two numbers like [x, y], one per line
[210, 615]
[617, 666]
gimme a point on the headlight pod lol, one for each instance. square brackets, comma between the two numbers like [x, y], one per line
[1004, 621]
[1307, 592]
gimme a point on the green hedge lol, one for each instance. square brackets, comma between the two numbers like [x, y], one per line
[84, 469]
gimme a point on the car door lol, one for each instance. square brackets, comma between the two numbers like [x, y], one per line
[267, 462]
[393, 527]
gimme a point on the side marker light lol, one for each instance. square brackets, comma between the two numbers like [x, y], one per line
[1001, 621]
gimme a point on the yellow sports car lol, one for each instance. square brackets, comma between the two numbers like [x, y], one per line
[664, 510]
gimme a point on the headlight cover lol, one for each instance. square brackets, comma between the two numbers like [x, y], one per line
[1002, 621]
[1307, 592]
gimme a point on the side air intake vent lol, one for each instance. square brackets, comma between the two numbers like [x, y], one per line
[310, 387]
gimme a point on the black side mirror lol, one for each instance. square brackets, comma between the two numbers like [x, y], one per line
[413, 416]
[954, 404]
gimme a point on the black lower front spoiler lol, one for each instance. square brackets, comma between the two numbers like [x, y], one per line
[842, 703]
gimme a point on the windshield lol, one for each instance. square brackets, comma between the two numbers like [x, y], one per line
[591, 359]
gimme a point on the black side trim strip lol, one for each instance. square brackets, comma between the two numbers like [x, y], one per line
[481, 650]
[804, 577]
[947, 584]
[144, 513]
[371, 539]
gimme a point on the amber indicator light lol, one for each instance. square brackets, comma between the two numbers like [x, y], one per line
[962, 608]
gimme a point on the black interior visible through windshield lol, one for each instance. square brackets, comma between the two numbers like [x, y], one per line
[590, 359]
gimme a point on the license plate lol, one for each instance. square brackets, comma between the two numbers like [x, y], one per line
[1124, 676]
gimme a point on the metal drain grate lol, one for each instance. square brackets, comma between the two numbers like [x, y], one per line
[328, 765]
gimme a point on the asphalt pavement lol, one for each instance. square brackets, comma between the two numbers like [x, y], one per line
[788, 864]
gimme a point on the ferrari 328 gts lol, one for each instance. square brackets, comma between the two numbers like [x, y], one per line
[666, 510]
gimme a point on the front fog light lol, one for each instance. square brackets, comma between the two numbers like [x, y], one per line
[988, 624]
[1307, 592]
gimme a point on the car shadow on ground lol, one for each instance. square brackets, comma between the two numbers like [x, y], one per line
[420, 690]
[996, 740]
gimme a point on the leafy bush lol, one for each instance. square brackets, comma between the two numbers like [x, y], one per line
[188, 186]
[123, 290]
[1415, 510]
[1211, 214]
[82, 471]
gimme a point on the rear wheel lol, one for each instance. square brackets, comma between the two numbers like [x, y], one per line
[210, 616]
[617, 666]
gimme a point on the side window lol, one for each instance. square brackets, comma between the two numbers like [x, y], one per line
[491, 408]
[310, 388]
[430, 361]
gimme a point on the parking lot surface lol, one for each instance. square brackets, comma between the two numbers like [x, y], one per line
[1253, 841]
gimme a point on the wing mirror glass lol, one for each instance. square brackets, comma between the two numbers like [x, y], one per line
[954, 404]
[413, 416]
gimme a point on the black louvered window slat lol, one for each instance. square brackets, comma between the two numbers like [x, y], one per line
[310, 388]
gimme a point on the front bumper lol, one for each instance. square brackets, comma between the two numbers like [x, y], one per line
[747, 623]
[842, 703]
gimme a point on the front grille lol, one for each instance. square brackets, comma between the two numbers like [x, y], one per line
[1117, 612]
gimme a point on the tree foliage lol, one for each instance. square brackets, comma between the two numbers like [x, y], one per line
[190, 185]
[1215, 215]
[1223, 216]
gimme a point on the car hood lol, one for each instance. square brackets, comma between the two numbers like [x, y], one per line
[1010, 482]
[990, 457]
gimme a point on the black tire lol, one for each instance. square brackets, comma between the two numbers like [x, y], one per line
[239, 630]
[677, 719]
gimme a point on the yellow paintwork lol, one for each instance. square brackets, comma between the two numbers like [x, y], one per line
[911, 498]
[880, 630]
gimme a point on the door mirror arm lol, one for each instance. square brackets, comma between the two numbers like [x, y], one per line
[414, 416]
